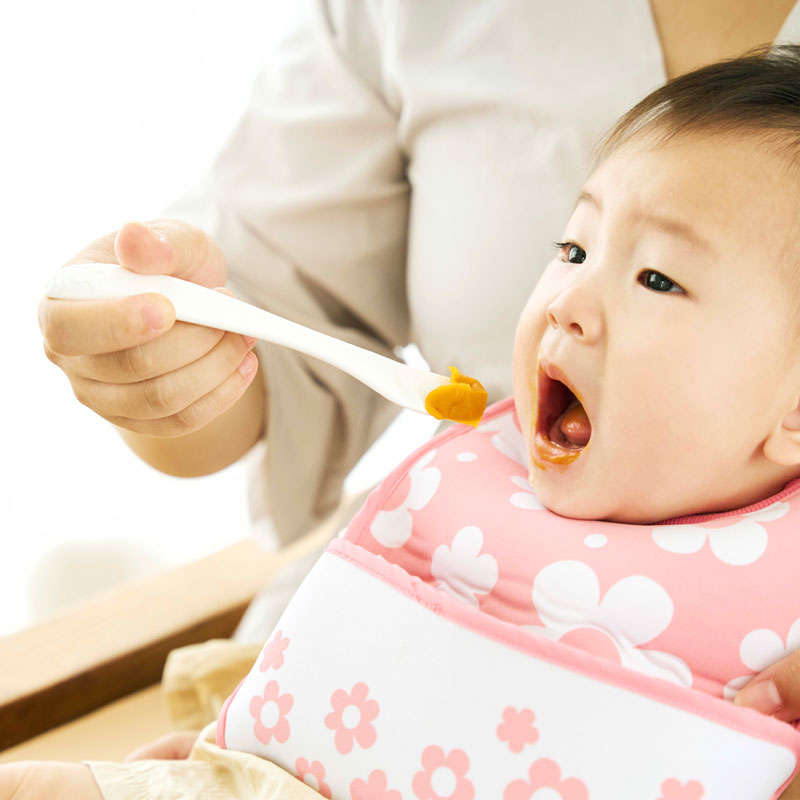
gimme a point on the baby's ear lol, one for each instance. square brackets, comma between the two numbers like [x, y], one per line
[782, 446]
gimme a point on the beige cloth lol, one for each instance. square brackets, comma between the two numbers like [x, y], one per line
[197, 679]
[210, 773]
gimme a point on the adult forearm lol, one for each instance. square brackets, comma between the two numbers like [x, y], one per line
[211, 448]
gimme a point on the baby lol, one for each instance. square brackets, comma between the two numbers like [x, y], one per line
[656, 415]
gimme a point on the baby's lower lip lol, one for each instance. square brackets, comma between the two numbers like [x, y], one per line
[547, 450]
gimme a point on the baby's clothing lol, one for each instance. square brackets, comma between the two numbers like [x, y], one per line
[210, 773]
[460, 635]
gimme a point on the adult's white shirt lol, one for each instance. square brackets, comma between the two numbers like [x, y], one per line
[399, 175]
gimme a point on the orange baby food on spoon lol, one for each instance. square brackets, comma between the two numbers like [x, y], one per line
[461, 400]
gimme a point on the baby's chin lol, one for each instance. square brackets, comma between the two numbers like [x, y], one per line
[577, 500]
[564, 500]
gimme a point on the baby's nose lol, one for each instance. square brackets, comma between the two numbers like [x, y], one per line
[578, 314]
[573, 327]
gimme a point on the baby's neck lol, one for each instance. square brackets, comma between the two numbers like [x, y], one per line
[762, 500]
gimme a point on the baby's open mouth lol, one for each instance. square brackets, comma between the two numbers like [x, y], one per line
[562, 425]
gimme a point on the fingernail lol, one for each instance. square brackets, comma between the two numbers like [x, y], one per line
[248, 365]
[154, 316]
[250, 340]
[762, 696]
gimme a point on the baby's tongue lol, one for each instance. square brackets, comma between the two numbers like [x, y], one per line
[575, 426]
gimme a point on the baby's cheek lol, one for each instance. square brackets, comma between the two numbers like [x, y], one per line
[524, 378]
[524, 371]
[524, 402]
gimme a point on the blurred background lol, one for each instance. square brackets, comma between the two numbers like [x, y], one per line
[108, 112]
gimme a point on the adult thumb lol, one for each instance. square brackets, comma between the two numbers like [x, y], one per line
[170, 247]
[776, 690]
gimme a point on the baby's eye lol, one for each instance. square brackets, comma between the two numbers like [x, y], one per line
[658, 282]
[574, 254]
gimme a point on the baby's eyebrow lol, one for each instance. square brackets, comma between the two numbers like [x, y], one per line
[672, 227]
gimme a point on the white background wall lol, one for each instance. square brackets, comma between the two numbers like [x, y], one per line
[108, 111]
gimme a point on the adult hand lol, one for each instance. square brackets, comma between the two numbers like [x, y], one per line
[776, 691]
[171, 746]
[128, 359]
[32, 780]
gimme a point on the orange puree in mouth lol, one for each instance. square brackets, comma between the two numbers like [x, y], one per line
[549, 451]
[561, 440]
[461, 400]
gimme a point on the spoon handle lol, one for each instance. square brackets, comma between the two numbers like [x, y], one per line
[406, 386]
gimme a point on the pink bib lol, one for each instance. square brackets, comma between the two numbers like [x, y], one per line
[461, 641]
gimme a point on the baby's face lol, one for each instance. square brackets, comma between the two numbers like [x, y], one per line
[667, 314]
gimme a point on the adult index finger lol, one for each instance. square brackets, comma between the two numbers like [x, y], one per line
[89, 327]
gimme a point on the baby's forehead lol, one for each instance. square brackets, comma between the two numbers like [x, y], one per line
[739, 184]
[772, 157]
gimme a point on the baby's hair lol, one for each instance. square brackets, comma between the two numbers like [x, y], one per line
[758, 92]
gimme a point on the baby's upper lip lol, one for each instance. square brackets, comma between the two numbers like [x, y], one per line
[557, 374]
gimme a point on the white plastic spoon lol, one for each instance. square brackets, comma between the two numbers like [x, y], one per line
[406, 386]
